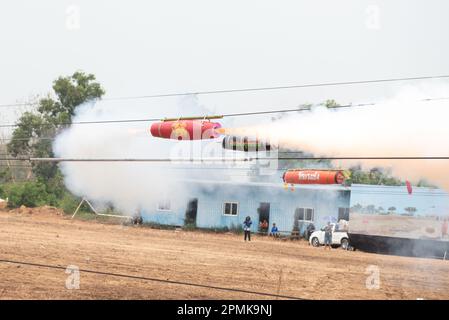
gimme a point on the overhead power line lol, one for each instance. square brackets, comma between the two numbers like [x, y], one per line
[138, 277]
[125, 159]
[26, 139]
[226, 115]
[254, 89]
[198, 160]
[308, 85]
[14, 105]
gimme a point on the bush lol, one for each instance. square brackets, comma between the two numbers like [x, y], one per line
[2, 192]
[30, 194]
[68, 203]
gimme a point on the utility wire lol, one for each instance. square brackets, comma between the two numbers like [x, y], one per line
[199, 160]
[239, 114]
[307, 85]
[120, 275]
[125, 159]
[13, 105]
[26, 139]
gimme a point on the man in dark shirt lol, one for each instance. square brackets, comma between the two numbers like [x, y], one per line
[310, 229]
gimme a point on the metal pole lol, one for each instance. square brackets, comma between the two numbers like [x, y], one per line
[91, 206]
[79, 206]
[104, 214]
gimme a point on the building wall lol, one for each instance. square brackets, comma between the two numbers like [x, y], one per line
[324, 201]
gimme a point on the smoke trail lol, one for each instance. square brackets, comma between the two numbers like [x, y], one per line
[402, 126]
[127, 185]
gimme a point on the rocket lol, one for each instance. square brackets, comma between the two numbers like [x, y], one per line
[247, 144]
[310, 176]
[186, 129]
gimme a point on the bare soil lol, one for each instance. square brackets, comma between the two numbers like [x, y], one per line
[288, 268]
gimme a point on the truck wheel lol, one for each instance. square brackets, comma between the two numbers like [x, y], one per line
[315, 242]
[345, 244]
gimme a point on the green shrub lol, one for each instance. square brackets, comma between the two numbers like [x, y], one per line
[30, 194]
[68, 203]
[2, 192]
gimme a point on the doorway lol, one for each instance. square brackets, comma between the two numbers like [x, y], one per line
[264, 215]
[192, 208]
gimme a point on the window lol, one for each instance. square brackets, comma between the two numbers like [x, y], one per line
[230, 208]
[164, 205]
[343, 213]
[305, 214]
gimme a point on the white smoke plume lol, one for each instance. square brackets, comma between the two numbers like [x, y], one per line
[129, 186]
[406, 125]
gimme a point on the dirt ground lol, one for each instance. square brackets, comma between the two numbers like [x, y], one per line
[287, 268]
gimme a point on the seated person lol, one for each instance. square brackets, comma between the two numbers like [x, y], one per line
[274, 231]
[263, 226]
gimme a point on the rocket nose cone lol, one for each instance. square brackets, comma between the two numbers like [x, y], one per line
[154, 129]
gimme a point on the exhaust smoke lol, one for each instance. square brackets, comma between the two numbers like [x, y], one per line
[406, 125]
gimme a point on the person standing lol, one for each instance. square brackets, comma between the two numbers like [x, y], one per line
[309, 230]
[328, 236]
[247, 228]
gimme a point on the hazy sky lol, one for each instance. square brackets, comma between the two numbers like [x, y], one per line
[147, 47]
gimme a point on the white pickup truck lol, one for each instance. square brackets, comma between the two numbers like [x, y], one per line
[339, 237]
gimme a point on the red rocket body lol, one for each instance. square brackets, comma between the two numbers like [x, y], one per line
[307, 176]
[185, 129]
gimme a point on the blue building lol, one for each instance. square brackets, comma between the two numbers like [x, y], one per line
[220, 204]
[381, 218]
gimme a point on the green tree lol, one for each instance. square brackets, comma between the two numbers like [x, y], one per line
[5, 175]
[29, 194]
[376, 176]
[331, 103]
[35, 130]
